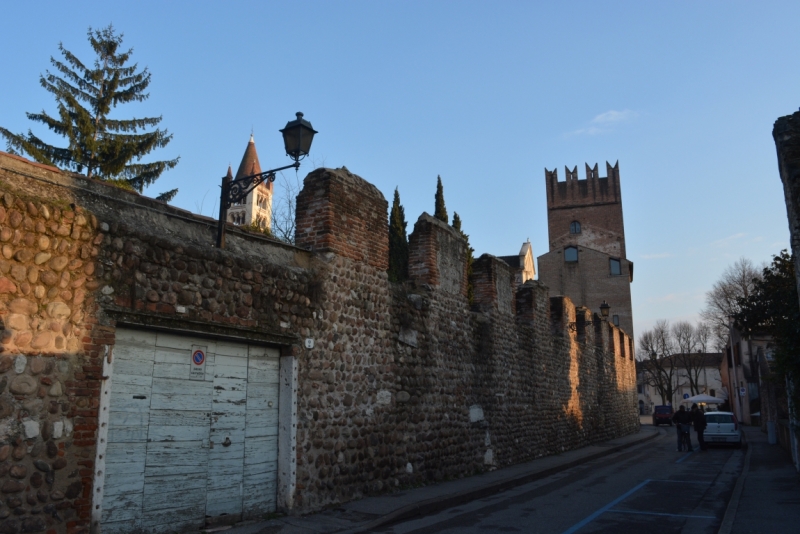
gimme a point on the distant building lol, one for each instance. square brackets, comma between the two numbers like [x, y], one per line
[587, 260]
[704, 366]
[742, 371]
[257, 206]
[522, 264]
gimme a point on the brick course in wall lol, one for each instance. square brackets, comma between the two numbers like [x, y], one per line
[405, 384]
[342, 213]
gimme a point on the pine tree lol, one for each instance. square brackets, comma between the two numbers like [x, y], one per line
[470, 258]
[99, 146]
[441, 211]
[398, 241]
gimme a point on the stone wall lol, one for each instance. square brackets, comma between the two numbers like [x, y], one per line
[404, 385]
[786, 133]
[50, 364]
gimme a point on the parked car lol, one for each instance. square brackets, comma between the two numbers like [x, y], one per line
[722, 427]
[662, 415]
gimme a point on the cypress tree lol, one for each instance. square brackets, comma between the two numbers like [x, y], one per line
[99, 146]
[441, 211]
[470, 258]
[456, 222]
[398, 241]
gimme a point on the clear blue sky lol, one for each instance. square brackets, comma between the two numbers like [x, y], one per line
[485, 94]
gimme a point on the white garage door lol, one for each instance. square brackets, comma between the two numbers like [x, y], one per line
[192, 432]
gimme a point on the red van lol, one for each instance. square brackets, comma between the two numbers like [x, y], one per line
[662, 415]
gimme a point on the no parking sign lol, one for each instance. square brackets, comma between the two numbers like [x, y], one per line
[197, 365]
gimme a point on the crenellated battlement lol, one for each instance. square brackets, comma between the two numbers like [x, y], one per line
[592, 190]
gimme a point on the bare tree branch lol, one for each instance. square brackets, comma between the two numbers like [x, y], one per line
[737, 282]
[283, 209]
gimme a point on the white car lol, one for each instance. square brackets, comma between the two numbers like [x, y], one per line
[722, 427]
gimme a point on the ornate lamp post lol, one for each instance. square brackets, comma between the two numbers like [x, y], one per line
[604, 309]
[297, 137]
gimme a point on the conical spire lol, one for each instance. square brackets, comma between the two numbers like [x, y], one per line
[230, 173]
[249, 164]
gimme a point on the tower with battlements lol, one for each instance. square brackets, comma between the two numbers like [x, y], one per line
[257, 206]
[587, 260]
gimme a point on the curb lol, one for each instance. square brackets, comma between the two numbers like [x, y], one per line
[437, 504]
[733, 505]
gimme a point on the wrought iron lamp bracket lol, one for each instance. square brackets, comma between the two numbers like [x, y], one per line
[237, 190]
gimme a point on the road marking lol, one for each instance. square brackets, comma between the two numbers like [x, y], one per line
[604, 509]
[685, 456]
[661, 513]
[704, 482]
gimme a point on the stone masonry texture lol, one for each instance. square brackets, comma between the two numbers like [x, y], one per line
[406, 384]
[786, 133]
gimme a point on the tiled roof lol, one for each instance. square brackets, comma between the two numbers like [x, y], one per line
[512, 261]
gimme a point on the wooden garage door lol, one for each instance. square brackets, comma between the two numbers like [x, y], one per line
[189, 441]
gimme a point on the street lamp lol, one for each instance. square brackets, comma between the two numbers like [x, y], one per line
[297, 137]
[604, 309]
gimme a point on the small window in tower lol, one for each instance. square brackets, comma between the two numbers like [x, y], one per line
[574, 227]
[571, 254]
[712, 393]
[615, 320]
[616, 267]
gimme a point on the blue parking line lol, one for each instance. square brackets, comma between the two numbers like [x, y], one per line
[685, 456]
[661, 513]
[604, 509]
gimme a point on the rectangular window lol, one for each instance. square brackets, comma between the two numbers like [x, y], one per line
[571, 254]
[616, 267]
[639, 388]
[615, 320]
[712, 393]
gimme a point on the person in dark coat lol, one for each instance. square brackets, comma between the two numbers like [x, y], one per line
[699, 423]
[683, 420]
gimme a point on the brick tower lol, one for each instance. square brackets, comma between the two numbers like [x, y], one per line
[257, 207]
[587, 260]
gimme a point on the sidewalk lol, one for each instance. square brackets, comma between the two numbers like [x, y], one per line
[766, 497]
[373, 512]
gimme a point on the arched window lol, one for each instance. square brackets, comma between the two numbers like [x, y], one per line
[571, 254]
[574, 227]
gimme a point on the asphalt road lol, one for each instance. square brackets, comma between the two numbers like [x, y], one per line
[650, 488]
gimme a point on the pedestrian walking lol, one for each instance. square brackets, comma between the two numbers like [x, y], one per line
[683, 421]
[699, 423]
